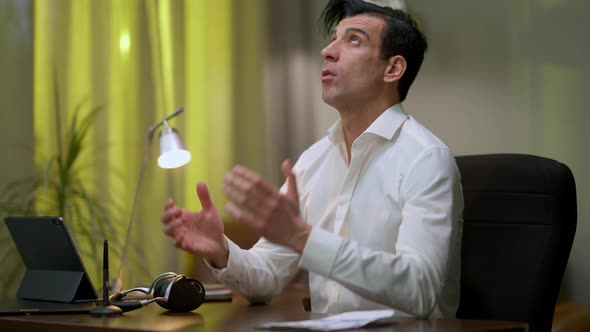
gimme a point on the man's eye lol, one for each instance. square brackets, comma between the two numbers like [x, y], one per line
[355, 40]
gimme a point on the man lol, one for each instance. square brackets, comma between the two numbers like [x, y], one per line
[372, 211]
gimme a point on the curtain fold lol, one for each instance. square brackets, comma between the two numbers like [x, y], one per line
[209, 74]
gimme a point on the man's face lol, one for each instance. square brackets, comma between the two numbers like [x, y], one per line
[353, 72]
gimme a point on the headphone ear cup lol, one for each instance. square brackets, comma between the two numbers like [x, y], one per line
[161, 286]
[185, 295]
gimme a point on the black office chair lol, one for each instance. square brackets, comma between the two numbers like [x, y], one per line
[519, 224]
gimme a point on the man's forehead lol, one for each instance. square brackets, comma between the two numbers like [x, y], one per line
[366, 22]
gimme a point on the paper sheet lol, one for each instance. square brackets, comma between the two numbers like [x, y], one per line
[343, 321]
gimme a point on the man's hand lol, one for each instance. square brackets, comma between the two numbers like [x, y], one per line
[257, 203]
[198, 232]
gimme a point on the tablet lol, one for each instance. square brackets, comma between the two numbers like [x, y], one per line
[54, 270]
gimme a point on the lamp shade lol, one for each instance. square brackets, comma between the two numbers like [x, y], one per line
[173, 153]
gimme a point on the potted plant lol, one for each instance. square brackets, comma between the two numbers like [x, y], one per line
[58, 188]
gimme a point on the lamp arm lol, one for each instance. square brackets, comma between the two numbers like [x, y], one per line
[154, 127]
[118, 284]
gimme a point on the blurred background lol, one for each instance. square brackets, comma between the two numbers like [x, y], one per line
[83, 80]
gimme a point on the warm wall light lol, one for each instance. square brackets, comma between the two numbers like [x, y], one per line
[173, 154]
[124, 43]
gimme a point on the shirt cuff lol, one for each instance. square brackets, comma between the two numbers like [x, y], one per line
[231, 268]
[319, 253]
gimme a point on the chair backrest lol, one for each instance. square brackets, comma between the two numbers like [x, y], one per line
[519, 224]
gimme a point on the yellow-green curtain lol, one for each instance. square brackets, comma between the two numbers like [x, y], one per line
[208, 86]
[142, 59]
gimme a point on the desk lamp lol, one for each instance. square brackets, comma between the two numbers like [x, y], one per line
[173, 154]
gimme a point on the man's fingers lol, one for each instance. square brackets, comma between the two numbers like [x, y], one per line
[172, 226]
[248, 181]
[291, 180]
[246, 189]
[170, 213]
[179, 242]
[234, 195]
[240, 215]
[169, 203]
[204, 196]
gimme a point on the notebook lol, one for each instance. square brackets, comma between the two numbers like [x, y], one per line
[55, 279]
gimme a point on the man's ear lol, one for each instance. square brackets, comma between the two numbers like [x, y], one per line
[396, 67]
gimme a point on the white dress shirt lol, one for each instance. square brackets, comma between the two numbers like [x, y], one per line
[386, 227]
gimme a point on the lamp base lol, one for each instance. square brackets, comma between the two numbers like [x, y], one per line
[106, 311]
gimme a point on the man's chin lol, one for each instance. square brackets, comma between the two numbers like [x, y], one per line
[332, 101]
[329, 99]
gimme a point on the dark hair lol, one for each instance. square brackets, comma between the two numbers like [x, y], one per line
[401, 35]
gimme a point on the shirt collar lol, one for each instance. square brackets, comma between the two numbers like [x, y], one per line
[335, 134]
[386, 125]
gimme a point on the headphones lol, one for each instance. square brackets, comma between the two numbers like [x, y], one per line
[174, 292]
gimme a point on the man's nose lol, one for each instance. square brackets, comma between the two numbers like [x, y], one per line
[329, 53]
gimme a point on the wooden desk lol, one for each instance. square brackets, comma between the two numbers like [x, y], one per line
[237, 315]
